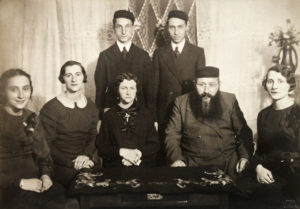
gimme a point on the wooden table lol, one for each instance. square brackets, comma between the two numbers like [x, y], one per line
[152, 187]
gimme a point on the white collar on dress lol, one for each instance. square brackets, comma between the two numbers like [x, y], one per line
[179, 45]
[81, 103]
[121, 45]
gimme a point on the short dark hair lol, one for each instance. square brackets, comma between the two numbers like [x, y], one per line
[126, 76]
[10, 74]
[285, 72]
[71, 63]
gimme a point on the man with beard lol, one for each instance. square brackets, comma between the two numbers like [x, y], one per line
[207, 128]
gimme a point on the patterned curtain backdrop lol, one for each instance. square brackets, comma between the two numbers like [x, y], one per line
[151, 17]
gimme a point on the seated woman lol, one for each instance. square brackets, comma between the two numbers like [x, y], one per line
[24, 154]
[70, 124]
[278, 129]
[127, 135]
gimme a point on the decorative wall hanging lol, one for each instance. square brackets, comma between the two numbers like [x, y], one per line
[151, 17]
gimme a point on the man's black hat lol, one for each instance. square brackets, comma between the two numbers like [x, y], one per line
[125, 14]
[178, 14]
[207, 72]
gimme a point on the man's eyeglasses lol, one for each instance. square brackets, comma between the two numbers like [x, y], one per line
[209, 85]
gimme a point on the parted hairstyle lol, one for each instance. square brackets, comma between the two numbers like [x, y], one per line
[71, 63]
[4, 80]
[126, 76]
[285, 72]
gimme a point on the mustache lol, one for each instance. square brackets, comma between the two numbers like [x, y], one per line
[206, 95]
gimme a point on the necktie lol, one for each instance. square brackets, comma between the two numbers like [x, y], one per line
[124, 52]
[177, 53]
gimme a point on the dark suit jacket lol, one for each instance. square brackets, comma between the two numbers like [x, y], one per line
[215, 142]
[110, 63]
[174, 76]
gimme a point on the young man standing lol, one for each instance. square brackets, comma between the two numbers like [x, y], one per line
[174, 66]
[123, 56]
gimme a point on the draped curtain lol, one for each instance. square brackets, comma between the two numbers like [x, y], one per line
[39, 36]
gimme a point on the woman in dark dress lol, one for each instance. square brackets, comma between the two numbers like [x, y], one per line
[24, 154]
[70, 124]
[127, 135]
[278, 129]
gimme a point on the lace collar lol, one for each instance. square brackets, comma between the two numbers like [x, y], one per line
[81, 103]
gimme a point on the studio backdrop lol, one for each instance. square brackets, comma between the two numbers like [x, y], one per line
[39, 36]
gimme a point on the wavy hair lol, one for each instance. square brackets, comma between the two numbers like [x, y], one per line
[71, 63]
[126, 76]
[285, 72]
[10, 74]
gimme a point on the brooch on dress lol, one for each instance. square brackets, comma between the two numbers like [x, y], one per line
[30, 124]
[127, 116]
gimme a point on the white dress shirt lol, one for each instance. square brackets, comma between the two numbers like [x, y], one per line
[179, 45]
[121, 45]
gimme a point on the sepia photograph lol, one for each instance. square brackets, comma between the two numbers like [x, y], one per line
[177, 104]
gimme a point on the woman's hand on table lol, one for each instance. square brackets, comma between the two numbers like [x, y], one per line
[241, 165]
[33, 184]
[82, 161]
[263, 175]
[178, 163]
[126, 163]
[131, 155]
[156, 126]
[46, 182]
[88, 164]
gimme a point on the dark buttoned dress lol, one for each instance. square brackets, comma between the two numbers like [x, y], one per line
[136, 133]
[24, 154]
[69, 132]
[278, 134]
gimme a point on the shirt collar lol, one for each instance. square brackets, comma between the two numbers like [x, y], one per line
[81, 103]
[121, 45]
[179, 45]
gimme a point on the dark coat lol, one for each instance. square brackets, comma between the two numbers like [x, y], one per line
[216, 142]
[111, 63]
[174, 76]
[139, 133]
